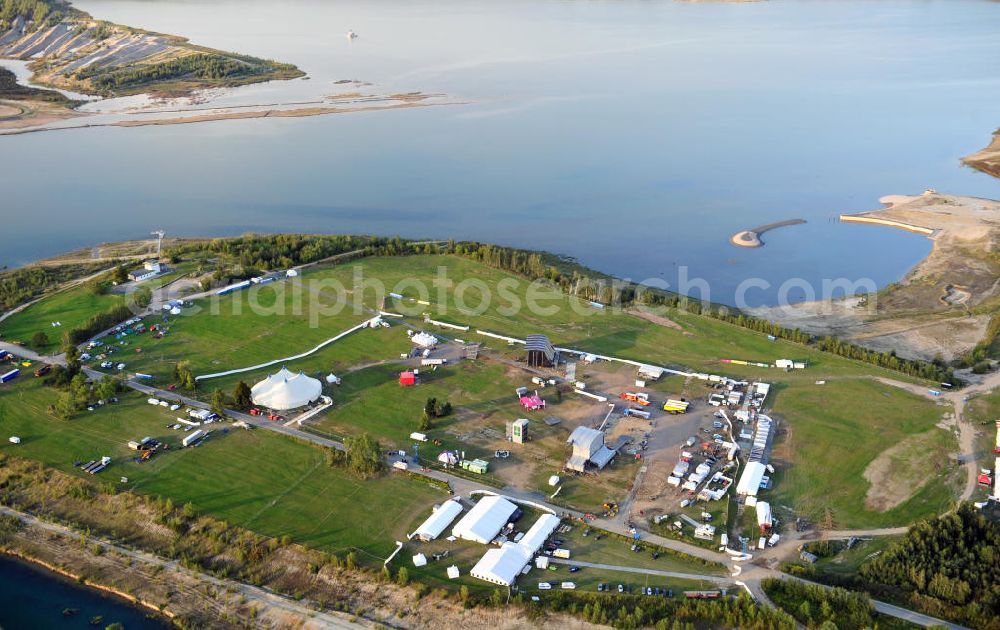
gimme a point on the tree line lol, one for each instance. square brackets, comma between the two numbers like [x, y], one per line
[198, 66]
[38, 11]
[945, 567]
[632, 611]
[20, 285]
[623, 294]
[818, 607]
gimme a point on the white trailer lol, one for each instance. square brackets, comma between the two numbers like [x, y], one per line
[193, 438]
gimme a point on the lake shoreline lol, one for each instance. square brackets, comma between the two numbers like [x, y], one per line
[43, 566]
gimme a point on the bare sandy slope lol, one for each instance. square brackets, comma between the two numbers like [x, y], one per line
[941, 306]
[24, 114]
[987, 160]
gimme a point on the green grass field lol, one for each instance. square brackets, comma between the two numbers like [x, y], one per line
[72, 308]
[372, 400]
[255, 479]
[835, 431]
[244, 329]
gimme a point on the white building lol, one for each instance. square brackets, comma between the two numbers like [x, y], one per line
[440, 518]
[485, 520]
[149, 269]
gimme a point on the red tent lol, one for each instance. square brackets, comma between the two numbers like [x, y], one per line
[407, 378]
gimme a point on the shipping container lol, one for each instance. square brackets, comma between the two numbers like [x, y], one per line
[9, 376]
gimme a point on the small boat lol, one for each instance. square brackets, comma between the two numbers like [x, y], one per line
[351, 35]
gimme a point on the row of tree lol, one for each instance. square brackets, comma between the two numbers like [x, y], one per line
[630, 611]
[819, 607]
[200, 66]
[38, 11]
[20, 285]
[623, 294]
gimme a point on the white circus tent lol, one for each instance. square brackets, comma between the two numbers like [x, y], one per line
[286, 390]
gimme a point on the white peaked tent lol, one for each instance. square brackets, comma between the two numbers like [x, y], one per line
[286, 390]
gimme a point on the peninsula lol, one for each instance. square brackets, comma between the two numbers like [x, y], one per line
[751, 237]
[943, 306]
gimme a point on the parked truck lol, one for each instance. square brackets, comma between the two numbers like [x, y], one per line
[42, 371]
[193, 438]
[9, 376]
[676, 406]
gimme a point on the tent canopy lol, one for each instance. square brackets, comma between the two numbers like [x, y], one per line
[286, 390]
[484, 521]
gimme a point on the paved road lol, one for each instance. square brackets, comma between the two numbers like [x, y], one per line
[642, 571]
[311, 617]
[914, 617]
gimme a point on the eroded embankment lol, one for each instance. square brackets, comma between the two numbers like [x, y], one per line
[987, 159]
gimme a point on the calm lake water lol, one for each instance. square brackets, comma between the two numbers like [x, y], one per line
[33, 599]
[634, 135]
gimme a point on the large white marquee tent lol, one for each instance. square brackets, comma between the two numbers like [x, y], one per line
[286, 390]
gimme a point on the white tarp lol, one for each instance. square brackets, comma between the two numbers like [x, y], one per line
[286, 390]
[484, 520]
[440, 519]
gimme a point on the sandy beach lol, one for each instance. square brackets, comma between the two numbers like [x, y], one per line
[942, 306]
[54, 118]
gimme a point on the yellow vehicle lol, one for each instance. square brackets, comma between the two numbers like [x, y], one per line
[676, 406]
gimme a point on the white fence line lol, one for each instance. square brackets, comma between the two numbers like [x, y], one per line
[205, 377]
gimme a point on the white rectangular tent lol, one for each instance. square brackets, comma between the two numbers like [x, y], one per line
[535, 537]
[484, 520]
[500, 566]
[503, 565]
[750, 480]
[441, 518]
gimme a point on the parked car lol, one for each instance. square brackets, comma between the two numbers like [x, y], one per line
[574, 569]
[621, 588]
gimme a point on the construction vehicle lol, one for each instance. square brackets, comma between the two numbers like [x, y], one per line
[641, 399]
[611, 509]
[676, 406]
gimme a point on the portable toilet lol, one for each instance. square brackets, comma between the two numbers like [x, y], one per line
[519, 431]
